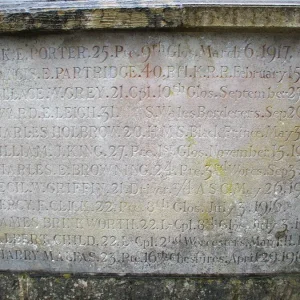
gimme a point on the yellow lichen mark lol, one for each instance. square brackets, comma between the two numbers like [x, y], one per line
[191, 140]
[60, 13]
[215, 165]
[24, 276]
[67, 276]
[278, 143]
[234, 191]
[236, 289]
[205, 220]
[212, 281]
[229, 188]
[121, 18]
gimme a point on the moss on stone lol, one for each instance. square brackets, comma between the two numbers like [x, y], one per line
[38, 287]
[173, 17]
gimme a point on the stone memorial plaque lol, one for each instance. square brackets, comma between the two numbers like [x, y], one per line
[150, 153]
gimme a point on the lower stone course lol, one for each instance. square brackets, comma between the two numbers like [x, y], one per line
[67, 287]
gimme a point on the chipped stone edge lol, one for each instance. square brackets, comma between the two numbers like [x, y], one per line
[190, 17]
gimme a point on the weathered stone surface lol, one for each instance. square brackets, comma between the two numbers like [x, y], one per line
[36, 16]
[156, 153]
[67, 287]
[73, 15]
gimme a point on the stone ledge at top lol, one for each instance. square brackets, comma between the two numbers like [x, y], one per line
[40, 4]
[55, 15]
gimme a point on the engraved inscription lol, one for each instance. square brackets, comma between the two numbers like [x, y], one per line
[172, 153]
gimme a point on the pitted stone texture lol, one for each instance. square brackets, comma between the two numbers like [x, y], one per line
[77, 15]
[150, 153]
[17, 287]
